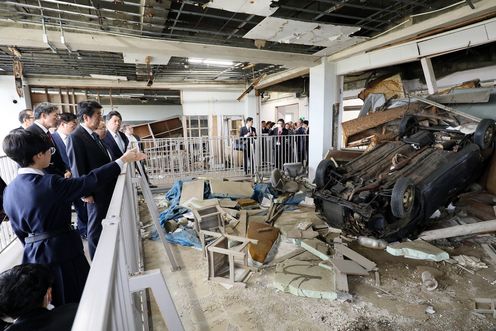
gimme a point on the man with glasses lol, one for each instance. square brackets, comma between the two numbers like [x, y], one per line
[26, 118]
[46, 117]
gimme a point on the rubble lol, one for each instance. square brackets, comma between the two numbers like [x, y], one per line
[418, 249]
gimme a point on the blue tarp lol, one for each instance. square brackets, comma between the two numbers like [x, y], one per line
[174, 211]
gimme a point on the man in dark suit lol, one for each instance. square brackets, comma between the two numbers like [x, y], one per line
[67, 124]
[247, 134]
[46, 117]
[26, 118]
[115, 141]
[25, 292]
[280, 144]
[87, 152]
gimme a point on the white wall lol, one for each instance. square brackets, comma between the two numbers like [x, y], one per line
[268, 109]
[10, 110]
[212, 103]
[146, 113]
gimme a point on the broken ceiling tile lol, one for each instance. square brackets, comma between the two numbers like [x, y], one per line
[259, 7]
[193, 189]
[302, 33]
[418, 249]
[305, 279]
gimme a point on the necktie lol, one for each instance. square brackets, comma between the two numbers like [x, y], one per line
[119, 142]
[50, 137]
[98, 142]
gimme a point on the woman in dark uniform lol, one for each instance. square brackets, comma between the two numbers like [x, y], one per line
[39, 208]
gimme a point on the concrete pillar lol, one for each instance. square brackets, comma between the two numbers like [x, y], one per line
[430, 78]
[252, 108]
[324, 92]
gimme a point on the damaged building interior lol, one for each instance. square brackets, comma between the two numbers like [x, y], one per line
[308, 164]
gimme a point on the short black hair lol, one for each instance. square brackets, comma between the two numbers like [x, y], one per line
[263, 121]
[112, 114]
[22, 145]
[23, 288]
[23, 114]
[67, 117]
[280, 120]
[87, 108]
[44, 108]
[249, 119]
[305, 122]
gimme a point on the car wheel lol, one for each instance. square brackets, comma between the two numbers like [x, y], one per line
[408, 126]
[322, 173]
[403, 197]
[484, 133]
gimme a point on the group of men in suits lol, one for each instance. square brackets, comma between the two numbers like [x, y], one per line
[78, 150]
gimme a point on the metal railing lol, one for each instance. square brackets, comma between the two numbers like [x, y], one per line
[170, 159]
[114, 297]
[8, 171]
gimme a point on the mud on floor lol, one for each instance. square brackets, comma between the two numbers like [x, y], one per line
[398, 304]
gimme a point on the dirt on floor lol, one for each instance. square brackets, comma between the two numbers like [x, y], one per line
[399, 303]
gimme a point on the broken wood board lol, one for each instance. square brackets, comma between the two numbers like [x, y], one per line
[348, 267]
[316, 247]
[193, 189]
[391, 87]
[305, 279]
[372, 120]
[266, 240]
[227, 189]
[418, 250]
[228, 203]
[480, 95]
[352, 255]
[302, 234]
[449, 109]
[459, 230]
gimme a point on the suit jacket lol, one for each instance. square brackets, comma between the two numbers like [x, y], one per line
[111, 145]
[244, 130]
[274, 132]
[57, 165]
[59, 144]
[60, 318]
[84, 153]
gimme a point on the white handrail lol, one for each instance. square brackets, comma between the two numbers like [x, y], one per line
[114, 296]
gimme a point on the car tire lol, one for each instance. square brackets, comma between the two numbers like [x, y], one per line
[403, 197]
[322, 173]
[484, 134]
[408, 126]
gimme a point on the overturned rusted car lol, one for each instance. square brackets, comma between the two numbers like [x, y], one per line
[391, 191]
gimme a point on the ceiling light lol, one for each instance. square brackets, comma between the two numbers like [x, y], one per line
[222, 63]
[2, 69]
[111, 77]
[219, 62]
[193, 60]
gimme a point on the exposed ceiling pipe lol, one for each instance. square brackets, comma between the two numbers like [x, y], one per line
[45, 36]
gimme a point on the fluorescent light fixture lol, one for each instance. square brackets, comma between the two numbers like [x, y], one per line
[2, 69]
[109, 77]
[193, 60]
[220, 63]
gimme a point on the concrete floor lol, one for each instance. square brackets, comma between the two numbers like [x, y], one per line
[398, 304]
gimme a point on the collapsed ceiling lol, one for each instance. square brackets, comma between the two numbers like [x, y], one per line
[296, 26]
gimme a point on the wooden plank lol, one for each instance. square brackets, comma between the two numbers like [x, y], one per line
[372, 120]
[352, 255]
[348, 267]
[226, 252]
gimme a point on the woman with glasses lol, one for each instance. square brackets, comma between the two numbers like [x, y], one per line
[39, 208]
